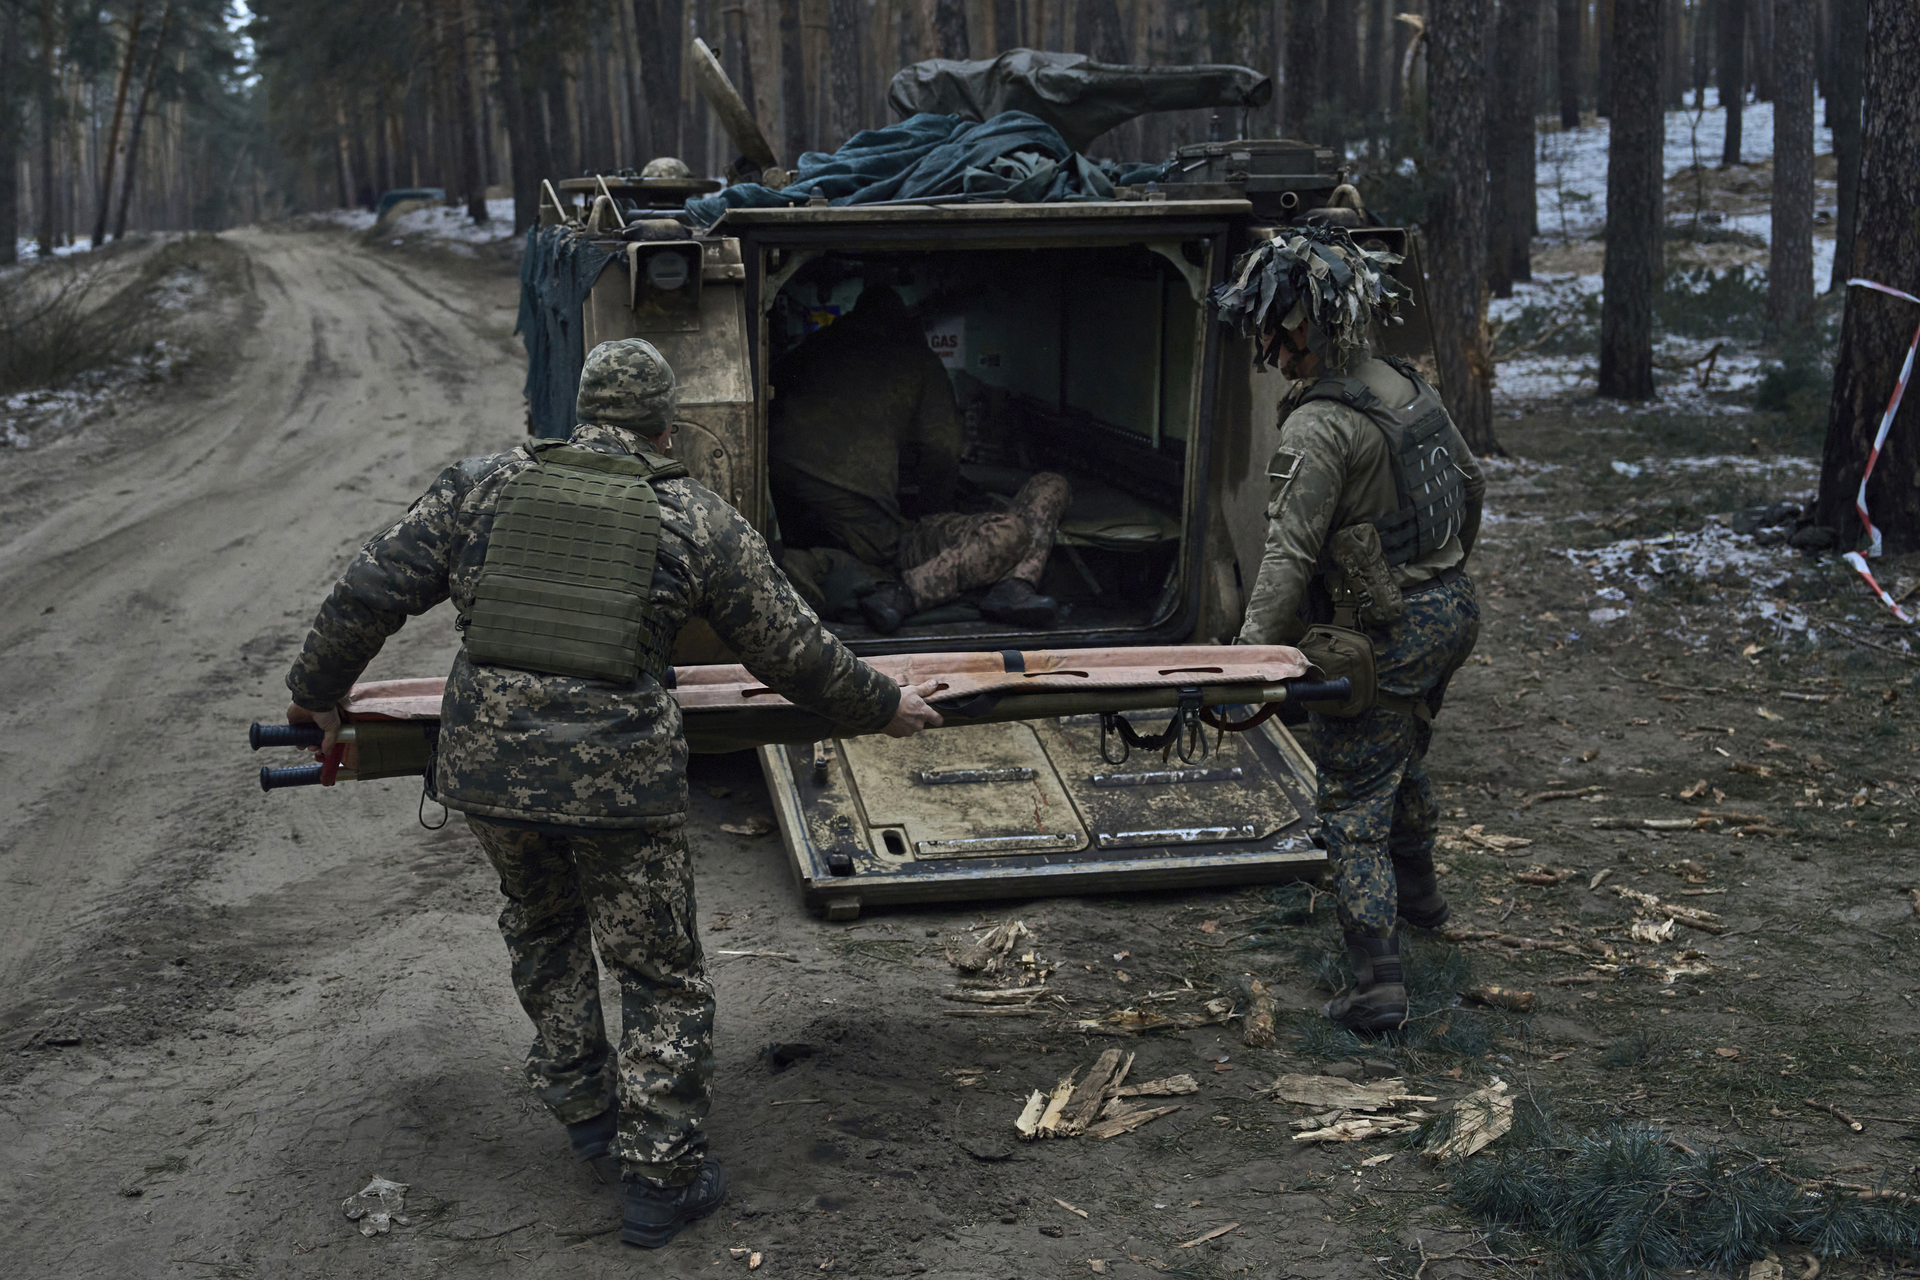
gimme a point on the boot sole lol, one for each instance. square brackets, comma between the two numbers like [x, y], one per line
[1433, 921]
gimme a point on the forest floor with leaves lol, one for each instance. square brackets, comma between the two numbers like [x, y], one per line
[1678, 781]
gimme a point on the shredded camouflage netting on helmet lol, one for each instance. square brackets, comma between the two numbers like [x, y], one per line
[1310, 273]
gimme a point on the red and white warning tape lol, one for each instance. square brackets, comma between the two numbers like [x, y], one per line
[1854, 558]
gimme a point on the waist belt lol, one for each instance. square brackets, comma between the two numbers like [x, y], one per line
[1439, 579]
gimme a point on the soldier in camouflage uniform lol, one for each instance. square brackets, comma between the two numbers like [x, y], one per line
[1350, 540]
[850, 397]
[576, 787]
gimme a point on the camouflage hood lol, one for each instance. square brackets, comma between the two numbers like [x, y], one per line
[1315, 274]
[627, 384]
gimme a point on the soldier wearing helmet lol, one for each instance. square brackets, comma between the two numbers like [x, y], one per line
[1374, 504]
[572, 565]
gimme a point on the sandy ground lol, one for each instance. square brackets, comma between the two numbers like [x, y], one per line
[225, 1012]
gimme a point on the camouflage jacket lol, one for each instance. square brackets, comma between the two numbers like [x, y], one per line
[522, 745]
[1331, 469]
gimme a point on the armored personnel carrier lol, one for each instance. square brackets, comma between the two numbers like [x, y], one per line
[1077, 339]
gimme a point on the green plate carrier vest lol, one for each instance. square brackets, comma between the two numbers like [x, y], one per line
[564, 588]
[1430, 485]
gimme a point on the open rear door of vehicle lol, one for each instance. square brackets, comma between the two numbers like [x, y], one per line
[1031, 808]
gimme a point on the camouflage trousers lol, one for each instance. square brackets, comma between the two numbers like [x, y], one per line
[630, 892]
[1376, 805]
[944, 555]
[939, 556]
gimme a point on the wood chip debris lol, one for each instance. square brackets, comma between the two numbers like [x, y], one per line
[1540, 875]
[1337, 1100]
[991, 954]
[1009, 995]
[1651, 932]
[1260, 1015]
[1478, 835]
[1501, 998]
[1692, 917]
[1069, 1208]
[1137, 1019]
[1575, 793]
[1214, 1234]
[1165, 1087]
[1093, 1107]
[1478, 1119]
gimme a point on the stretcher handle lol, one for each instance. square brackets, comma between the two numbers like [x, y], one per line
[1335, 690]
[285, 735]
[293, 775]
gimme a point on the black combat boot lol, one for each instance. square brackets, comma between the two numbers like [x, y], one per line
[1378, 1000]
[655, 1213]
[1422, 905]
[1014, 601]
[887, 606]
[594, 1138]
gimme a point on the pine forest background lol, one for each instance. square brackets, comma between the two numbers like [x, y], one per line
[199, 114]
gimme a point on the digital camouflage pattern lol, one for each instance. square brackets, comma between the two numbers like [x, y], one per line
[944, 555]
[627, 383]
[1375, 803]
[632, 893]
[1332, 468]
[557, 749]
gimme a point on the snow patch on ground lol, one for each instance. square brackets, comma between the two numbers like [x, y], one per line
[28, 418]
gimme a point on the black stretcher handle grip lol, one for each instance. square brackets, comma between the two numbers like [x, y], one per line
[293, 775]
[1336, 690]
[285, 735]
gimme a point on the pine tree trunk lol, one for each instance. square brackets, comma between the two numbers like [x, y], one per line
[48, 78]
[1760, 46]
[140, 111]
[9, 135]
[1342, 61]
[1876, 330]
[1633, 205]
[950, 29]
[1703, 38]
[662, 29]
[111, 151]
[793, 83]
[1006, 24]
[1849, 75]
[472, 174]
[1098, 31]
[1301, 87]
[1604, 20]
[1510, 147]
[1456, 239]
[1790, 266]
[526, 178]
[1379, 51]
[843, 57]
[1567, 61]
[1730, 33]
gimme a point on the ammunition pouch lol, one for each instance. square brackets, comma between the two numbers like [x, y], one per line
[1342, 651]
[1356, 549]
[565, 586]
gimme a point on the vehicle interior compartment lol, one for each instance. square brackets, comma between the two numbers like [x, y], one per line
[1083, 361]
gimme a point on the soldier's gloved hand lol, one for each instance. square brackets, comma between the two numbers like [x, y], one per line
[327, 720]
[913, 714]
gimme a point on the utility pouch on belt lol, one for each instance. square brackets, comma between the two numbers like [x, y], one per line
[564, 589]
[1341, 651]
[1356, 549]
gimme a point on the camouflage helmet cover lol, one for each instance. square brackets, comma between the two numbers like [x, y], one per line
[627, 383]
[1315, 274]
[667, 167]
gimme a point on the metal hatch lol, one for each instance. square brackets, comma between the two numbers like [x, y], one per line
[1030, 809]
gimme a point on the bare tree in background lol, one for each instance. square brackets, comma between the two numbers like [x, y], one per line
[662, 28]
[1790, 262]
[9, 134]
[114, 147]
[1876, 328]
[1634, 223]
[1849, 74]
[1100, 35]
[1566, 46]
[1730, 32]
[1456, 235]
[1302, 79]
[950, 29]
[843, 61]
[1510, 146]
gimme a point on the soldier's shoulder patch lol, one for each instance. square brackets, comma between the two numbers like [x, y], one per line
[1285, 465]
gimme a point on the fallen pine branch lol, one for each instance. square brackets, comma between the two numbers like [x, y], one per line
[1544, 796]
[1837, 1114]
[1868, 644]
[1654, 824]
[1692, 917]
[1512, 941]
[1576, 979]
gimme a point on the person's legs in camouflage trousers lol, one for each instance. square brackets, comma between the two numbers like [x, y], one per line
[636, 888]
[1376, 805]
[944, 555]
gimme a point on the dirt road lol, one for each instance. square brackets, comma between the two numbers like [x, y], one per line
[224, 1012]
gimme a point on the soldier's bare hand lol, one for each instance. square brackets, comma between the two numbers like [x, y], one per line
[913, 714]
[327, 720]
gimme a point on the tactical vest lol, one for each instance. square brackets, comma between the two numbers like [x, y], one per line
[1429, 484]
[565, 585]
